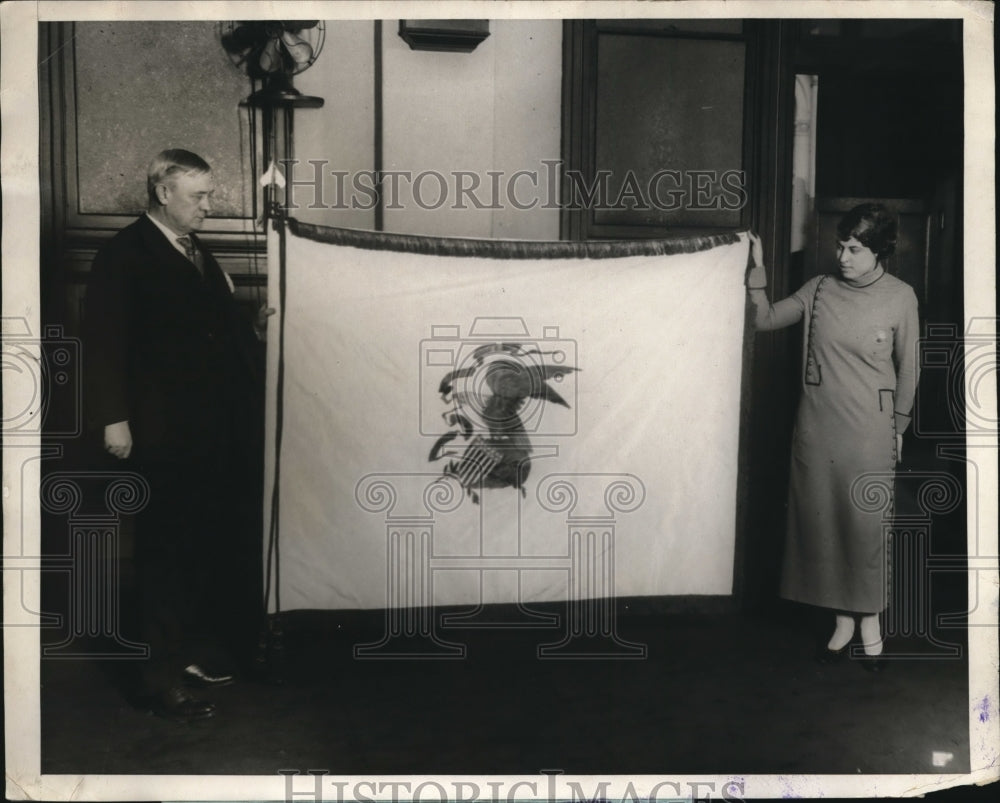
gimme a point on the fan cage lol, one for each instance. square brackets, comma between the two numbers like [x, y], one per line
[244, 59]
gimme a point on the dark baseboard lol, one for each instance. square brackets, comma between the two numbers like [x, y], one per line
[689, 605]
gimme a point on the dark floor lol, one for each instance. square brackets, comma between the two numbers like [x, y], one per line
[715, 694]
[721, 693]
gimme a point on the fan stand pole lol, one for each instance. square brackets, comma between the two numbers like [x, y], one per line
[276, 97]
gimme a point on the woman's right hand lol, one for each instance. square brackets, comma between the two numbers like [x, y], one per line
[756, 275]
[756, 250]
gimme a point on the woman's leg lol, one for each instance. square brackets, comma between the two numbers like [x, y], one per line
[871, 635]
[843, 633]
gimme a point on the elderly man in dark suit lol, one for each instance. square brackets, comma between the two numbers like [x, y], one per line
[170, 377]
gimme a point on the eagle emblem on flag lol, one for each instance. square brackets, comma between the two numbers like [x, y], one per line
[487, 444]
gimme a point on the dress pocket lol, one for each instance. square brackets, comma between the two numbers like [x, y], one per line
[887, 400]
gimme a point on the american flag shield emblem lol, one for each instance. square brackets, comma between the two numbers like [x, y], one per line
[475, 464]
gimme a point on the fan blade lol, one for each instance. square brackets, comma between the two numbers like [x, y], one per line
[270, 57]
[300, 50]
[240, 38]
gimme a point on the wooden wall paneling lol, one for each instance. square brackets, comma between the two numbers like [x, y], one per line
[119, 114]
[572, 114]
[234, 232]
[71, 234]
[647, 135]
[687, 119]
[49, 43]
[579, 83]
[769, 380]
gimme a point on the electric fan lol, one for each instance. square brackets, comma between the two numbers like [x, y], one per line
[272, 51]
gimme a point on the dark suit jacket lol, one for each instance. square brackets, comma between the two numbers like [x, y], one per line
[165, 349]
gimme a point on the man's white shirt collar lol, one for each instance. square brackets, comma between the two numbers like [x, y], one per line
[168, 234]
[172, 238]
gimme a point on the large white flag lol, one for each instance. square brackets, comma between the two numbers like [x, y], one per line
[468, 422]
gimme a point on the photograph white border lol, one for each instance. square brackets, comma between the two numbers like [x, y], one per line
[21, 228]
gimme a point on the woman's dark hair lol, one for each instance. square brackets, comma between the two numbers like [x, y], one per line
[871, 225]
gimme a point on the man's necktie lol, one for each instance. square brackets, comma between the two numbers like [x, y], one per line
[192, 253]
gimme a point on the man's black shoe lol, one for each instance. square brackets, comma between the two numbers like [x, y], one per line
[178, 704]
[195, 676]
